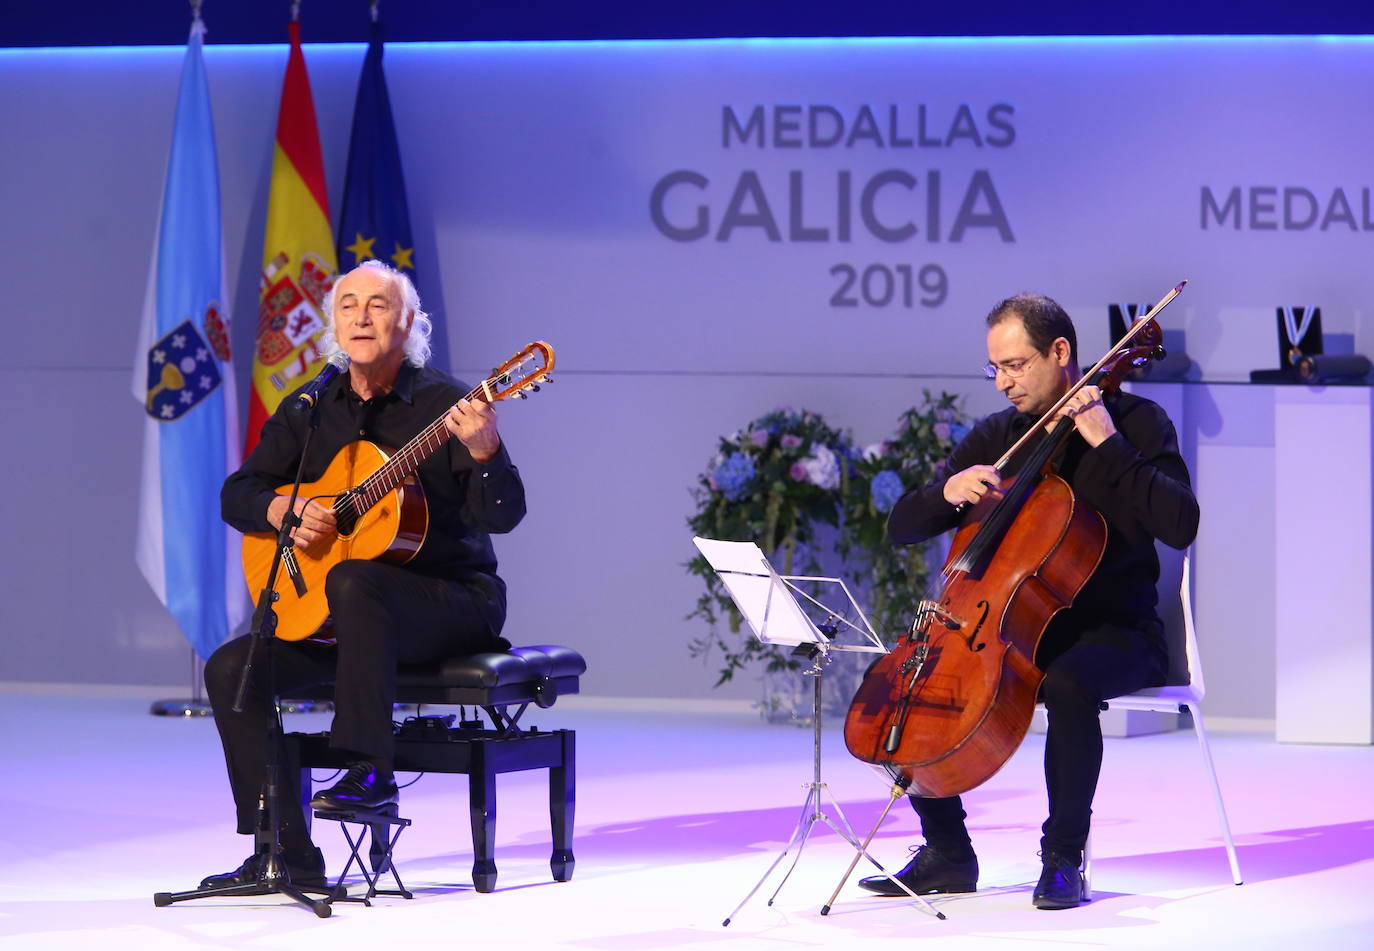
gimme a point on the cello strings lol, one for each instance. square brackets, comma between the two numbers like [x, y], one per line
[990, 533]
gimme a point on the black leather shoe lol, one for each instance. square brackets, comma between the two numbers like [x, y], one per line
[1061, 882]
[305, 871]
[359, 789]
[928, 872]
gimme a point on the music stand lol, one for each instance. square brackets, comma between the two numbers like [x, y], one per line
[767, 601]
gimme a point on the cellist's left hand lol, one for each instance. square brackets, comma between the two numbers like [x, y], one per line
[1090, 417]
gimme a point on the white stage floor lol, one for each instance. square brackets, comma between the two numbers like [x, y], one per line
[677, 817]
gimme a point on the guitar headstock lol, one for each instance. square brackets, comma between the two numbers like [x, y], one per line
[521, 375]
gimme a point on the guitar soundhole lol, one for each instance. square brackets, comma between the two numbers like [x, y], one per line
[345, 513]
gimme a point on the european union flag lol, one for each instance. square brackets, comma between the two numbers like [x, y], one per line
[375, 221]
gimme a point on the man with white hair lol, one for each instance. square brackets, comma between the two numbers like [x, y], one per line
[447, 600]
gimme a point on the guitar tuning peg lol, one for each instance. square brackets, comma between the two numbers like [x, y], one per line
[548, 379]
[524, 395]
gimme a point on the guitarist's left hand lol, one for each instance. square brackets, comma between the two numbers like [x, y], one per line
[473, 423]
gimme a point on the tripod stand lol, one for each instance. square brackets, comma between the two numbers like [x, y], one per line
[812, 808]
[272, 874]
[767, 602]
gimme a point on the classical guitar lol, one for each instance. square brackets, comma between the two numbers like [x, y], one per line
[379, 505]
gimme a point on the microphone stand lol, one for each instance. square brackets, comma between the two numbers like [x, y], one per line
[273, 877]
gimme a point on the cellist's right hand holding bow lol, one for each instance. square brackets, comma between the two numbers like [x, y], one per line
[971, 485]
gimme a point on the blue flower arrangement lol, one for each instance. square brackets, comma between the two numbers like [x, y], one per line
[734, 476]
[772, 482]
[894, 578]
[788, 472]
[885, 489]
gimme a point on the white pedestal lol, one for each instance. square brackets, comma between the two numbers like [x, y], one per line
[1324, 615]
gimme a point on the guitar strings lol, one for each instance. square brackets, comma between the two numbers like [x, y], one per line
[410, 456]
[372, 489]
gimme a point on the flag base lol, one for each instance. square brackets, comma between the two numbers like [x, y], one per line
[180, 708]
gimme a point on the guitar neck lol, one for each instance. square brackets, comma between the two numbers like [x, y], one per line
[407, 459]
[524, 371]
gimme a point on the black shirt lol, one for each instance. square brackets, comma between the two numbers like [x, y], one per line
[1135, 478]
[467, 501]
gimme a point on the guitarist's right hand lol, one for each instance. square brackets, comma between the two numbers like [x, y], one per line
[317, 521]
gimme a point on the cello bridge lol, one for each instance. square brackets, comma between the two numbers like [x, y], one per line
[928, 611]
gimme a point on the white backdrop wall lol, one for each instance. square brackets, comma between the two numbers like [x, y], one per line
[704, 230]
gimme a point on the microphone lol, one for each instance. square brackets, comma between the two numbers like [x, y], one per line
[337, 364]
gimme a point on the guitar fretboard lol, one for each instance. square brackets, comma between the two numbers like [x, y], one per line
[403, 463]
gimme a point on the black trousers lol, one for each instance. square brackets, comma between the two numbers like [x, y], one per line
[1105, 661]
[384, 615]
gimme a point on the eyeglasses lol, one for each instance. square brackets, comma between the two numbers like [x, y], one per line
[1014, 369]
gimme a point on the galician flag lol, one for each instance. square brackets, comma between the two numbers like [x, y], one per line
[298, 262]
[185, 382]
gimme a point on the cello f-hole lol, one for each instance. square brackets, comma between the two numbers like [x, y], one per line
[982, 618]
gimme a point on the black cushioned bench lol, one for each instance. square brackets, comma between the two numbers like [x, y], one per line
[504, 685]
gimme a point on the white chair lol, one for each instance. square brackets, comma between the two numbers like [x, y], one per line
[1185, 697]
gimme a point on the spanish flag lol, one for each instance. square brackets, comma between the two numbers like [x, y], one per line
[298, 261]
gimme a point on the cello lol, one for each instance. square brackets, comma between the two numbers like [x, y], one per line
[946, 708]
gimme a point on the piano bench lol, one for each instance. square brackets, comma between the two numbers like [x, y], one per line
[495, 682]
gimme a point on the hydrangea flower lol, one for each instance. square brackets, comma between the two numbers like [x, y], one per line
[790, 441]
[798, 472]
[885, 490]
[942, 431]
[759, 437]
[733, 476]
[823, 469]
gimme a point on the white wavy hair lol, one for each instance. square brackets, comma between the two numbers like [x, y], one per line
[417, 351]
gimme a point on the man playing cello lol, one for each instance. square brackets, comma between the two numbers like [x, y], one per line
[1122, 460]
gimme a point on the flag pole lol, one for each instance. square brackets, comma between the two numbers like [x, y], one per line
[196, 706]
[183, 379]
